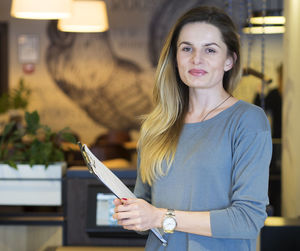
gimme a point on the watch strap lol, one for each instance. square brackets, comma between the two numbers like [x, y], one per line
[170, 212]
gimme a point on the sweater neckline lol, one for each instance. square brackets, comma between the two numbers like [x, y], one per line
[221, 114]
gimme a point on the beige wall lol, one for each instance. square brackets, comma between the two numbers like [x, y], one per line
[273, 57]
[56, 110]
[291, 120]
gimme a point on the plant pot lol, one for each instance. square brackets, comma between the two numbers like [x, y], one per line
[31, 186]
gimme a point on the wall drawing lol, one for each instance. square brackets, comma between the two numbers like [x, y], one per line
[108, 88]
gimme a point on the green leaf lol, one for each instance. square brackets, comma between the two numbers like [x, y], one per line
[58, 155]
[19, 96]
[4, 103]
[32, 121]
[3, 153]
[5, 137]
[12, 164]
[7, 129]
[69, 137]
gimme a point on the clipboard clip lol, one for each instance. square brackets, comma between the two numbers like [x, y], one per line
[86, 159]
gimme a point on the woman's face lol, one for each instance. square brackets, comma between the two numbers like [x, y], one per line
[202, 56]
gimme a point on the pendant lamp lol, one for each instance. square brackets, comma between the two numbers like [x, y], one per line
[271, 29]
[87, 16]
[41, 9]
[272, 23]
[275, 20]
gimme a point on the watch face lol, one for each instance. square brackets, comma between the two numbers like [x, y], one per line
[169, 224]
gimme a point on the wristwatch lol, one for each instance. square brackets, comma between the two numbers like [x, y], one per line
[169, 222]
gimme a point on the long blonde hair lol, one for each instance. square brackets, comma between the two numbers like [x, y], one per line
[162, 127]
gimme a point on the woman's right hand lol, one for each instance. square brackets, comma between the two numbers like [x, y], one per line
[117, 202]
[137, 214]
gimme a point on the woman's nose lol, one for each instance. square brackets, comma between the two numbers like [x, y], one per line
[197, 57]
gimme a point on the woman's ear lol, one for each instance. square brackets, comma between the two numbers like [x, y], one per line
[230, 62]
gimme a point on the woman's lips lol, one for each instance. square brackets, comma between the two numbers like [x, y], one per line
[197, 72]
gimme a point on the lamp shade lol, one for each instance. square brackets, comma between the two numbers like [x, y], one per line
[276, 20]
[270, 22]
[264, 30]
[87, 16]
[41, 9]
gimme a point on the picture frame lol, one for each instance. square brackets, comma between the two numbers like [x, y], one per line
[28, 48]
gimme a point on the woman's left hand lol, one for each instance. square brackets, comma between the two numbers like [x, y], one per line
[137, 214]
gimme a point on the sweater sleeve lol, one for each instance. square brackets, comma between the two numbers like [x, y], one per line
[244, 218]
[141, 190]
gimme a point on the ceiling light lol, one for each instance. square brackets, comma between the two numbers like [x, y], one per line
[268, 20]
[272, 22]
[264, 30]
[41, 9]
[87, 16]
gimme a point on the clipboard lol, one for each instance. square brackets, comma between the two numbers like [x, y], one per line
[110, 180]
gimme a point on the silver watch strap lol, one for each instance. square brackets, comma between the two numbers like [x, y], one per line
[170, 212]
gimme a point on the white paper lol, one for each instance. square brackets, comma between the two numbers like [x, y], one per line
[114, 184]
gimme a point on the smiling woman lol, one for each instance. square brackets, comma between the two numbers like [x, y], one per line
[203, 154]
[202, 58]
[202, 61]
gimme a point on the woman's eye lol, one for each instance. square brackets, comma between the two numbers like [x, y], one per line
[187, 49]
[210, 50]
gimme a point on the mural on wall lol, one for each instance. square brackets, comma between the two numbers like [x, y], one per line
[94, 71]
[107, 87]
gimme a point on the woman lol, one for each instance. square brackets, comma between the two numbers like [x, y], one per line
[203, 154]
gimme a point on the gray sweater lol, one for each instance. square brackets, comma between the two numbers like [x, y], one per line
[221, 165]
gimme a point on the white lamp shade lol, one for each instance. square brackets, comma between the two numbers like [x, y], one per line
[268, 20]
[87, 16]
[264, 30]
[41, 9]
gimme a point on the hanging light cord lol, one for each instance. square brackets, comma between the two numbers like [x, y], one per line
[241, 11]
[262, 94]
[250, 37]
[229, 7]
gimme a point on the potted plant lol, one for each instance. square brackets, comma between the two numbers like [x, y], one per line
[13, 103]
[32, 159]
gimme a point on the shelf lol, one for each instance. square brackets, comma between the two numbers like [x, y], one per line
[32, 220]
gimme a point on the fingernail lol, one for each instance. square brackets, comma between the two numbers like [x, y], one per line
[123, 199]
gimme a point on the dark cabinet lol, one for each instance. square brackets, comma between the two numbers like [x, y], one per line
[81, 212]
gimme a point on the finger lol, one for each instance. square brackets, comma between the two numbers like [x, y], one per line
[128, 201]
[119, 208]
[131, 221]
[117, 202]
[124, 208]
[130, 227]
[124, 200]
[123, 215]
[115, 216]
[125, 226]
